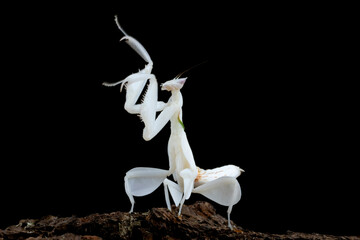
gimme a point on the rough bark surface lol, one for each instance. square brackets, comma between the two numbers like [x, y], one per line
[198, 221]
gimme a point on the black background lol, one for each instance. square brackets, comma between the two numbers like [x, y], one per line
[267, 99]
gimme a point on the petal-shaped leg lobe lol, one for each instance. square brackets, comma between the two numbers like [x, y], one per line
[209, 175]
[175, 192]
[142, 181]
[225, 191]
[188, 176]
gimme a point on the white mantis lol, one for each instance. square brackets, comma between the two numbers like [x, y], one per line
[219, 184]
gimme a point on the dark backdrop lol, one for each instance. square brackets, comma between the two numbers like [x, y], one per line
[265, 100]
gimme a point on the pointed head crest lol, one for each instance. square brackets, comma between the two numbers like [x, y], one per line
[177, 83]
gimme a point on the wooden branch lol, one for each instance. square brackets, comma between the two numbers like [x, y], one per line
[198, 221]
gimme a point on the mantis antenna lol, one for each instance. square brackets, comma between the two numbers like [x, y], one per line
[190, 68]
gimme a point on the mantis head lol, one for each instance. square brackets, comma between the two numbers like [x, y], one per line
[175, 84]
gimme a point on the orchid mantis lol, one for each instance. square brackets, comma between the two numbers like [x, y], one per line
[219, 184]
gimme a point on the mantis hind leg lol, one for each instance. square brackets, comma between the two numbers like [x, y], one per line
[142, 181]
[228, 216]
[225, 191]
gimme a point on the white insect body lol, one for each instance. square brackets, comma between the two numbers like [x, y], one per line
[219, 184]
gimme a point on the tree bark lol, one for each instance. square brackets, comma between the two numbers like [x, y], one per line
[198, 221]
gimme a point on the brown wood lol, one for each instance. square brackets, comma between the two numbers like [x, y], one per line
[198, 221]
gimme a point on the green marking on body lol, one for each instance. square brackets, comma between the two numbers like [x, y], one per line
[181, 123]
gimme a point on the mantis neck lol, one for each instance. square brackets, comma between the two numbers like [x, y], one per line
[176, 97]
[176, 121]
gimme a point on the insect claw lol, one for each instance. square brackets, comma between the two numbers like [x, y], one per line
[124, 38]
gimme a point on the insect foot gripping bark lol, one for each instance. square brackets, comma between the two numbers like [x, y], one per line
[219, 184]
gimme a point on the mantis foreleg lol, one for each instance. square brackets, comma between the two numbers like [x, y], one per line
[135, 83]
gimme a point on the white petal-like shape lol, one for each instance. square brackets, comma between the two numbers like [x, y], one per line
[225, 191]
[186, 150]
[175, 191]
[142, 181]
[209, 175]
[188, 177]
